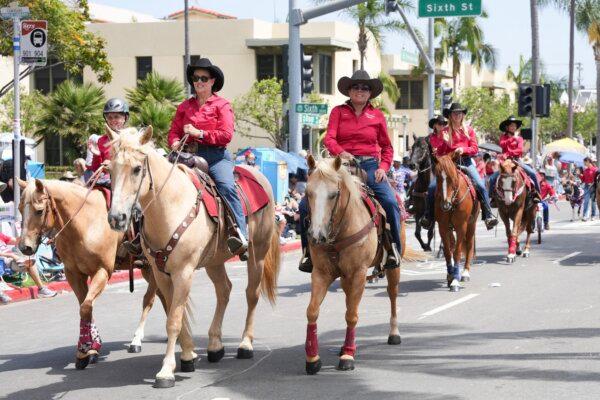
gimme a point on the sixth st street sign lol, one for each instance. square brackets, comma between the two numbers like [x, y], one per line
[449, 8]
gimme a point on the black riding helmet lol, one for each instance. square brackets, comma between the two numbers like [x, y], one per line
[116, 105]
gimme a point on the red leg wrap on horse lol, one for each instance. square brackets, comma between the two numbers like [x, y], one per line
[85, 336]
[312, 344]
[96, 341]
[349, 347]
[512, 245]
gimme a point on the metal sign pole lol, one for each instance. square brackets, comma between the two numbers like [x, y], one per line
[17, 119]
[431, 73]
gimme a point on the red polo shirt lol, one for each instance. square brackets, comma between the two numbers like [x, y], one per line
[589, 174]
[512, 145]
[363, 135]
[468, 142]
[104, 149]
[215, 118]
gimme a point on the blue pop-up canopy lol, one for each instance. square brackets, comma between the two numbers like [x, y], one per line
[294, 161]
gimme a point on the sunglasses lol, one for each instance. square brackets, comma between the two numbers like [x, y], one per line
[202, 78]
[358, 86]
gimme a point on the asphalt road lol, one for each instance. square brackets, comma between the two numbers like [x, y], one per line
[528, 330]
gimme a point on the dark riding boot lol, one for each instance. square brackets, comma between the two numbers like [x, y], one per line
[535, 196]
[488, 216]
[134, 247]
[306, 262]
[238, 245]
[393, 258]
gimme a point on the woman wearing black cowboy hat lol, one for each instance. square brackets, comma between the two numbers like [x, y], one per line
[358, 130]
[208, 120]
[512, 147]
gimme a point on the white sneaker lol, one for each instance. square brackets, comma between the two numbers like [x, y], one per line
[4, 298]
[46, 292]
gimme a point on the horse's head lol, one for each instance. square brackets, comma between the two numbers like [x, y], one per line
[327, 183]
[38, 218]
[506, 186]
[420, 153]
[128, 171]
[447, 178]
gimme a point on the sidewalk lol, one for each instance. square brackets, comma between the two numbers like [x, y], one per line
[29, 293]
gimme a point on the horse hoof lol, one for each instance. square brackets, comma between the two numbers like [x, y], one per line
[313, 367]
[164, 383]
[455, 289]
[134, 348]
[426, 248]
[346, 365]
[81, 363]
[394, 339]
[465, 279]
[214, 356]
[93, 358]
[188, 366]
[244, 354]
[525, 255]
[519, 252]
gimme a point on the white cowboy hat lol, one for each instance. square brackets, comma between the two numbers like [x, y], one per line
[397, 159]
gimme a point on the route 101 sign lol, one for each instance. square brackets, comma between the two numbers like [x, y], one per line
[34, 42]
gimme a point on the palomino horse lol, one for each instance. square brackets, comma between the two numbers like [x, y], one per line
[511, 195]
[420, 155]
[456, 212]
[344, 244]
[171, 203]
[86, 245]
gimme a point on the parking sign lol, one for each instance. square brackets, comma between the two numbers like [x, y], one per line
[34, 42]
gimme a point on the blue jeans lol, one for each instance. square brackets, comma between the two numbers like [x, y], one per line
[220, 168]
[589, 196]
[384, 194]
[528, 170]
[546, 210]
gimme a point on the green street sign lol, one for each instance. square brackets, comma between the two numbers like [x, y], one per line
[449, 8]
[311, 108]
[310, 119]
[409, 57]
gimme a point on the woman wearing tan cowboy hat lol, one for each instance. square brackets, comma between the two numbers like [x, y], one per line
[358, 130]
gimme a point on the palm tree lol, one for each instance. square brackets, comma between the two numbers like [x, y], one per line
[523, 74]
[157, 114]
[155, 88]
[587, 19]
[462, 38]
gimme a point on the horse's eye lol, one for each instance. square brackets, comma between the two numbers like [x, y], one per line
[332, 196]
[137, 170]
[39, 212]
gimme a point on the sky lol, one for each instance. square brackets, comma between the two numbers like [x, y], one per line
[508, 29]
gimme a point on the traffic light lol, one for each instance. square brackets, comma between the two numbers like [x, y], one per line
[390, 6]
[542, 100]
[446, 97]
[306, 68]
[285, 85]
[525, 99]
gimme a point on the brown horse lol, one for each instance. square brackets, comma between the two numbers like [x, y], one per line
[171, 203]
[338, 215]
[86, 245]
[512, 194]
[456, 212]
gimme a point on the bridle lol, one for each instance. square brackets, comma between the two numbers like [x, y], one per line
[334, 233]
[453, 202]
[515, 189]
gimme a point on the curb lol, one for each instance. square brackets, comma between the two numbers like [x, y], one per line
[30, 293]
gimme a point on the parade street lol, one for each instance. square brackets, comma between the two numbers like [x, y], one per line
[528, 330]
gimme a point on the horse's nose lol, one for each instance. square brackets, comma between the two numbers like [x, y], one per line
[446, 206]
[117, 220]
[25, 249]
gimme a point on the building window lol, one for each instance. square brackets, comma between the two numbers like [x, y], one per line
[143, 67]
[269, 66]
[59, 150]
[411, 95]
[325, 74]
[47, 79]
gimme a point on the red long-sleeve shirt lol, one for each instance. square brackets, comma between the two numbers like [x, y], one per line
[546, 190]
[589, 174]
[512, 146]
[104, 152]
[363, 135]
[459, 139]
[214, 117]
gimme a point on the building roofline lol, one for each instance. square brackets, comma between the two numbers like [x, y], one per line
[204, 11]
[341, 45]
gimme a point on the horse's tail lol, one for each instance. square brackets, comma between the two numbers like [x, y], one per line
[268, 283]
[410, 255]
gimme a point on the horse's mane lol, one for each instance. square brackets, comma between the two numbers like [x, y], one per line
[326, 170]
[128, 141]
[506, 166]
[445, 164]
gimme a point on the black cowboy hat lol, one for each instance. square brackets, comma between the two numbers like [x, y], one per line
[508, 121]
[360, 76]
[438, 119]
[454, 107]
[215, 72]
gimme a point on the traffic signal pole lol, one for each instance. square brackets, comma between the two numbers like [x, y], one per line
[17, 119]
[431, 74]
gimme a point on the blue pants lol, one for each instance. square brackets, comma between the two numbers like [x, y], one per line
[384, 194]
[546, 212]
[528, 170]
[589, 196]
[220, 168]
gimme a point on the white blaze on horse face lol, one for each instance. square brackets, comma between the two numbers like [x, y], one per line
[320, 211]
[123, 192]
[444, 186]
[507, 190]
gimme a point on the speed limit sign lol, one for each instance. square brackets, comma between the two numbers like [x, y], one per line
[34, 42]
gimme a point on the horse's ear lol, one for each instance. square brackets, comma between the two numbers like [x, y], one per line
[310, 160]
[337, 163]
[414, 137]
[112, 135]
[146, 134]
[39, 186]
[22, 183]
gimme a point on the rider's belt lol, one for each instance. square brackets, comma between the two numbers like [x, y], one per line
[364, 158]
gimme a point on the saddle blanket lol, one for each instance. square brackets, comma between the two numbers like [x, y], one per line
[469, 184]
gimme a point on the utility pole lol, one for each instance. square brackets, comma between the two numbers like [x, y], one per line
[579, 67]
[571, 65]
[535, 66]
[430, 73]
[186, 28]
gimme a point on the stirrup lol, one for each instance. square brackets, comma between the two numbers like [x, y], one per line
[135, 249]
[491, 222]
[238, 245]
[393, 258]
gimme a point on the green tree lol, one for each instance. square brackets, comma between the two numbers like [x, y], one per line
[523, 74]
[73, 111]
[157, 114]
[30, 112]
[462, 39]
[69, 42]
[486, 110]
[261, 108]
[155, 88]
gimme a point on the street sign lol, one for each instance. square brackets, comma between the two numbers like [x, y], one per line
[14, 12]
[409, 57]
[310, 119]
[311, 108]
[449, 8]
[34, 42]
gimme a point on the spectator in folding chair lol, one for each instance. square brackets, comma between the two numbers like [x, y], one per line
[19, 263]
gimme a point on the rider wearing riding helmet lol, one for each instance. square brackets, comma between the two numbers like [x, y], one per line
[358, 130]
[208, 120]
[512, 147]
[460, 140]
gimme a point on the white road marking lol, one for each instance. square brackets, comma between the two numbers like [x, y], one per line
[558, 260]
[448, 305]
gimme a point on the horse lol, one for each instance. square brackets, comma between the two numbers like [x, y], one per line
[456, 212]
[176, 220]
[512, 195]
[78, 220]
[345, 247]
[420, 155]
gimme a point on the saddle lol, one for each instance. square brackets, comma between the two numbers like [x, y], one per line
[470, 185]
